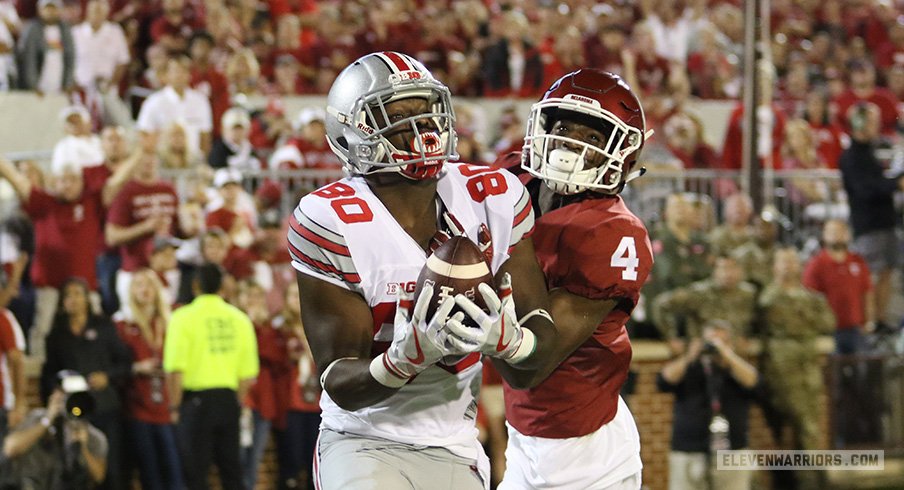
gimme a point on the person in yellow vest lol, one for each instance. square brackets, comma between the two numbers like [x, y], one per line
[210, 358]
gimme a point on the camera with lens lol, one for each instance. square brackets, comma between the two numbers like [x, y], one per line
[710, 349]
[79, 401]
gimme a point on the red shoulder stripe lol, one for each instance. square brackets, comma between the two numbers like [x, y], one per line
[319, 240]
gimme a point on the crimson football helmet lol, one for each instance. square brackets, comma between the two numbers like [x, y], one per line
[363, 90]
[597, 99]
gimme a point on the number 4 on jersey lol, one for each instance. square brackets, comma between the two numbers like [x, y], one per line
[626, 256]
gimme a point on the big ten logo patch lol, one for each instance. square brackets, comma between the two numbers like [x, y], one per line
[220, 336]
[393, 288]
[404, 76]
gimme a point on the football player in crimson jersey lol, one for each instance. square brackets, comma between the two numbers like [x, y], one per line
[398, 411]
[573, 430]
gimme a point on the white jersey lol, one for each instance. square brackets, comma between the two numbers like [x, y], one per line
[344, 235]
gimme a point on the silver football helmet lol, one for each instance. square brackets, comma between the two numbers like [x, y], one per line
[356, 106]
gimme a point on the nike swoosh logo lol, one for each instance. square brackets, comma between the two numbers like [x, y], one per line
[419, 359]
[499, 345]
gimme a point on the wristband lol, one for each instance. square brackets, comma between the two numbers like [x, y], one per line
[326, 372]
[526, 348]
[384, 374]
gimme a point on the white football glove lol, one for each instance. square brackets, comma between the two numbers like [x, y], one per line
[498, 333]
[415, 340]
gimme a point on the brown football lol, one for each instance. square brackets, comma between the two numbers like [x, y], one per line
[456, 267]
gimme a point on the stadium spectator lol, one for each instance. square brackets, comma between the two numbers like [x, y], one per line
[154, 76]
[672, 27]
[178, 103]
[230, 217]
[145, 208]
[843, 277]
[85, 342]
[101, 53]
[644, 67]
[233, 149]
[682, 314]
[682, 254]
[80, 147]
[173, 29]
[512, 66]
[286, 79]
[166, 267]
[713, 388]
[13, 404]
[8, 71]
[150, 429]
[46, 51]
[735, 229]
[755, 256]
[207, 375]
[38, 450]
[871, 199]
[207, 78]
[270, 127]
[604, 50]
[828, 133]
[862, 88]
[708, 66]
[243, 73]
[684, 137]
[311, 140]
[267, 399]
[175, 153]
[296, 443]
[801, 152]
[71, 215]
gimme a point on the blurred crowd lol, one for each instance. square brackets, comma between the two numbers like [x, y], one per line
[825, 57]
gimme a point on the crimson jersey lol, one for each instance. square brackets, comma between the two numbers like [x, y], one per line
[598, 249]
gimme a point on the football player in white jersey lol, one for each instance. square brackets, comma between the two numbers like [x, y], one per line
[398, 404]
[573, 431]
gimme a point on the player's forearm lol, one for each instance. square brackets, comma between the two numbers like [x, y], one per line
[351, 385]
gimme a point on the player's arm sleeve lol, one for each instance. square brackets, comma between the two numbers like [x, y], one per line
[174, 347]
[319, 251]
[249, 363]
[523, 222]
[611, 260]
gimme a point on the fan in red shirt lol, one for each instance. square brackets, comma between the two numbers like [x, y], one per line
[863, 89]
[146, 207]
[844, 278]
[150, 425]
[205, 77]
[828, 133]
[570, 428]
[67, 224]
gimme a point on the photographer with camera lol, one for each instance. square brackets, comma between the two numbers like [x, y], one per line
[55, 448]
[713, 388]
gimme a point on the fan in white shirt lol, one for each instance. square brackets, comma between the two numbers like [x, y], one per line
[177, 103]
[101, 51]
[80, 146]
